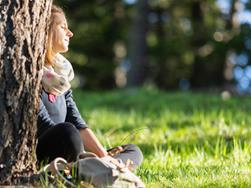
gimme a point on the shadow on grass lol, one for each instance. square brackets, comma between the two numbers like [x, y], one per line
[142, 98]
[152, 102]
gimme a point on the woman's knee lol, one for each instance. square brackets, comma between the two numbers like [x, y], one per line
[67, 128]
[72, 134]
[137, 153]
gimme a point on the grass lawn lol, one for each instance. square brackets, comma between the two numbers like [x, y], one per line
[188, 139]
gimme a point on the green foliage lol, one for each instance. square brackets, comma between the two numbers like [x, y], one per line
[185, 39]
[96, 25]
[188, 139]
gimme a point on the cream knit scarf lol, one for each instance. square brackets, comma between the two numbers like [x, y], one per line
[56, 79]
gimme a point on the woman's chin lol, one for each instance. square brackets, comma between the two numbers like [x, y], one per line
[64, 50]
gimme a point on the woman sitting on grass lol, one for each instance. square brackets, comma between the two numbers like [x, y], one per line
[61, 130]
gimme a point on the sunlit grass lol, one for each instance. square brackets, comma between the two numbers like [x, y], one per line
[188, 139]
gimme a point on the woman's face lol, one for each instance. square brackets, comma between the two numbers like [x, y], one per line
[61, 35]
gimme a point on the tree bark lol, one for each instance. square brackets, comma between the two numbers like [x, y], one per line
[23, 30]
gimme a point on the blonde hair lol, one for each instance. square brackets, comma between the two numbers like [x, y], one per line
[55, 11]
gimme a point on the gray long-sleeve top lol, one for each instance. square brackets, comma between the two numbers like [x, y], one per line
[63, 110]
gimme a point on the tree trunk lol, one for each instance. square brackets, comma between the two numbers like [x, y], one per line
[162, 76]
[231, 22]
[22, 37]
[138, 47]
[197, 78]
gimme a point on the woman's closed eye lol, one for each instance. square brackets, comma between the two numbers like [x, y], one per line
[63, 27]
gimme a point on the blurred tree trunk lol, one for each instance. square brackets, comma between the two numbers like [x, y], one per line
[232, 27]
[137, 46]
[232, 22]
[210, 72]
[22, 39]
[198, 78]
[161, 76]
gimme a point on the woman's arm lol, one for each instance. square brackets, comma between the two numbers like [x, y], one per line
[91, 142]
[73, 116]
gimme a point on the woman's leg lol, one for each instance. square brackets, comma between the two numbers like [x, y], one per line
[131, 152]
[62, 140]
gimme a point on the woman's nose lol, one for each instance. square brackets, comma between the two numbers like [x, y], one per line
[69, 33]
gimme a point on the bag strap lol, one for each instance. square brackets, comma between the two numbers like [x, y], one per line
[84, 155]
[57, 165]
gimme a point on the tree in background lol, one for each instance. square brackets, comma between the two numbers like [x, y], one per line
[137, 46]
[171, 44]
[22, 37]
[97, 26]
[210, 59]
[190, 41]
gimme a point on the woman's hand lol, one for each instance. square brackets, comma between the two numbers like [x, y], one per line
[114, 151]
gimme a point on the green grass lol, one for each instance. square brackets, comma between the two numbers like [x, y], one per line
[188, 139]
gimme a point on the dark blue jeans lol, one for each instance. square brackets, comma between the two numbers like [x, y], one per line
[63, 140]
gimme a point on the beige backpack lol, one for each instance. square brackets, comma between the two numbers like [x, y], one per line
[95, 172]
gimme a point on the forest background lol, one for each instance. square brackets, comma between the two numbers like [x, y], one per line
[165, 44]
